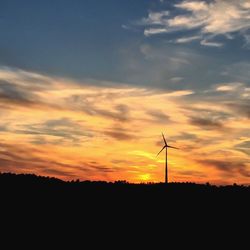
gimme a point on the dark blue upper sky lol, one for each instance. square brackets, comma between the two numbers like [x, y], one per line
[173, 44]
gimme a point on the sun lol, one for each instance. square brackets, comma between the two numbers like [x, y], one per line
[145, 177]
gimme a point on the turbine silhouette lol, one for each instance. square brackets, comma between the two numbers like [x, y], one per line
[166, 146]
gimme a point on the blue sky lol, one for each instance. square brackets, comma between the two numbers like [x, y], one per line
[72, 38]
[133, 42]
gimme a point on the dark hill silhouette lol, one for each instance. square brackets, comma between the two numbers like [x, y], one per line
[27, 185]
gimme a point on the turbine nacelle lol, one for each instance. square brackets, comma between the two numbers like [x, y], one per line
[166, 145]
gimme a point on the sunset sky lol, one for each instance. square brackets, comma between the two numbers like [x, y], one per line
[87, 87]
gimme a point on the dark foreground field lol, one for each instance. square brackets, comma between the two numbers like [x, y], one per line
[120, 210]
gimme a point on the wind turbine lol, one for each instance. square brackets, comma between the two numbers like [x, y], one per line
[166, 146]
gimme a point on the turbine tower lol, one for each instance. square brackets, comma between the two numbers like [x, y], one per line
[166, 146]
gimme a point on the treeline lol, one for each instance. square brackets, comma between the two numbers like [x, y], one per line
[17, 181]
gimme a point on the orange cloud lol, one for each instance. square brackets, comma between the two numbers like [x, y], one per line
[59, 127]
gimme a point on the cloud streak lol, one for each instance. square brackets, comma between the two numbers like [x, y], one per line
[119, 133]
[64, 128]
[228, 166]
[206, 123]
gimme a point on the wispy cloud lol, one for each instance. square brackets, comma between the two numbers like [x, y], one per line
[187, 39]
[64, 128]
[119, 133]
[228, 166]
[228, 87]
[206, 123]
[239, 71]
[30, 160]
[217, 17]
[155, 17]
[180, 93]
[154, 31]
[176, 79]
[247, 40]
[157, 116]
[243, 147]
[211, 44]
[242, 107]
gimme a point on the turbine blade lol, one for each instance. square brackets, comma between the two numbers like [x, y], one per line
[164, 139]
[172, 147]
[161, 150]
